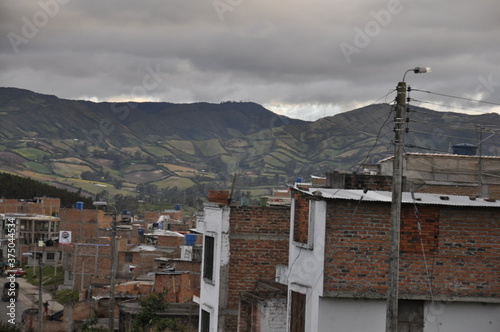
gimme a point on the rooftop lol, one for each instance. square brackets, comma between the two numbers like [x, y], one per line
[412, 198]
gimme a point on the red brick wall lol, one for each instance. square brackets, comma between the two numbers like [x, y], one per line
[301, 218]
[83, 224]
[48, 206]
[251, 258]
[180, 287]
[464, 263]
[170, 241]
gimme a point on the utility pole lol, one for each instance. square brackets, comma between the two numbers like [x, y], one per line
[113, 274]
[397, 185]
[397, 195]
[113, 265]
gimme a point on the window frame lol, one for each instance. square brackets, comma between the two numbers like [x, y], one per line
[209, 245]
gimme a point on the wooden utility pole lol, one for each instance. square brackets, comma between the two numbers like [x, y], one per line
[397, 183]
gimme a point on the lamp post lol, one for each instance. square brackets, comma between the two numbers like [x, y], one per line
[397, 187]
[113, 266]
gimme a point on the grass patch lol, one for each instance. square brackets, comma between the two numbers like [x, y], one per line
[38, 168]
[31, 153]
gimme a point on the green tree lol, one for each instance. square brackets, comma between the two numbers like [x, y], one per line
[147, 319]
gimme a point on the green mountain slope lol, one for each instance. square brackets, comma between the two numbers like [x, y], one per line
[146, 148]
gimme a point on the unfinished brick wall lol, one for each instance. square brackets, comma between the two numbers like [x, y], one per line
[258, 242]
[180, 287]
[45, 206]
[83, 224]
[301, 218]
[170, 241]
[463, 262]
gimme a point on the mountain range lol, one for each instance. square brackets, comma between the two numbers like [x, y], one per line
[135, 148]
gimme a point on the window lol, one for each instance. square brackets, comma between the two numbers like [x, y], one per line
[208, 260]
[129, 257]
[205, 321]
[298, 312]
[302, 226]
[51, 256]
[410, 316]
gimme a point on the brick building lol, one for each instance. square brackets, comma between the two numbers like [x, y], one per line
[242, 246]
[84, 223]
[337, 274]
[34, 220]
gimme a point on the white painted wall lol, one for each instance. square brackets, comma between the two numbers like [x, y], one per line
[462, 317]
[273, 315]
[216, 224]
[351, 315]
[360, 315]
[306, 266]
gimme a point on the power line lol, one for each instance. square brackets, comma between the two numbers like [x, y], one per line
[448, 106]
[456, 97]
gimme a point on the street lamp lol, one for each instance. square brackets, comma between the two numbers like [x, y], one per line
[397, 184]
[113, 265]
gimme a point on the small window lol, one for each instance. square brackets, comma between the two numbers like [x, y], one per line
[205, 321]
[129, 257]
[410, 316]
[51, 256]
[208, 260]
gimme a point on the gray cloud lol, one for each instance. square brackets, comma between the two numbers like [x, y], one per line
[305, 59]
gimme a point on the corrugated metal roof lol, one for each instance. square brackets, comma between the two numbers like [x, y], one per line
[439, 155]
[386, 196]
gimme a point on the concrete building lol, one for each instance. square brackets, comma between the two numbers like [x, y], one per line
[28, 221]
[452, 174]
[242, 246]
[337, 274]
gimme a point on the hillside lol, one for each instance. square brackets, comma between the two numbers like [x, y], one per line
[158, 149]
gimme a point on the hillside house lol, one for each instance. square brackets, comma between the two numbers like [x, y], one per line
[337, 272]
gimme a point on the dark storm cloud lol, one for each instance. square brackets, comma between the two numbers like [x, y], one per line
[309, 59]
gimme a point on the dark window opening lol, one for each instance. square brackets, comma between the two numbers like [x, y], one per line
[205, 321]
[208, 263]
[298, 312]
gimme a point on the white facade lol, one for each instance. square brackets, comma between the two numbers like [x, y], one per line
[306, 265]
[212, 292]
[360, 315]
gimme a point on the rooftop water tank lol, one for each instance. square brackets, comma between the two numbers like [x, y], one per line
[79, 205]
[465, 149]
[190, 239]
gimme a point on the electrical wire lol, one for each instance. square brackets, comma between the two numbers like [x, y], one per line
[376, 140]
[448, 106]
[456, 97]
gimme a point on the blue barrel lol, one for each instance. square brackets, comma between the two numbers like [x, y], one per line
[140, 230]
[191, 239]
[177, 207]
[79, 205]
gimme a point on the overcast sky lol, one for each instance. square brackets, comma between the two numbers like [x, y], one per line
[305, 59]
